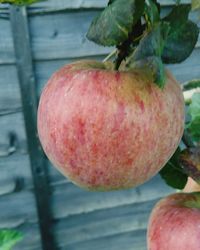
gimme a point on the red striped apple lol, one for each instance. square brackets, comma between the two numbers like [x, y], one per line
[175, 223]
[107, 129]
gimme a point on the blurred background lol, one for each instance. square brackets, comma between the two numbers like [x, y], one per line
[35, 198]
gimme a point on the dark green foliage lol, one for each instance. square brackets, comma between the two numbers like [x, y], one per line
[114, 24]
[148, 53]
[9, 238]
[152, 12]
[20, 2]
[173, 174]
[152, 43]
[191, 85]
[111, 1]
[194, 112]
[170, 40]
[182, 37]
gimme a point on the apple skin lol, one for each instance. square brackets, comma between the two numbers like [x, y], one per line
[106, 129]
[175, 223]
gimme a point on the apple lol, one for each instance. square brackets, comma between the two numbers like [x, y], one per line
[175, 223]
[107, 129]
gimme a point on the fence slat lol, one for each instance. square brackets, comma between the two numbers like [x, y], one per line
[20, 32]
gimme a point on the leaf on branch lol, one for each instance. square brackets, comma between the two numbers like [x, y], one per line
[110, 1]
[172, 172]
[18, 2]
[152, 43]
[152, 11]
[9, 238]
[148, 53]
[195, 4]
[114, 24]
[191, 84]
[155, 67]
[182, 37]
[194, 112]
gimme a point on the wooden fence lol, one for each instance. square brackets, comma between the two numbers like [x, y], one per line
[35, 199]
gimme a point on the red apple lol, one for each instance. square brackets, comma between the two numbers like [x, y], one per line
[175, 223]
[107, 129]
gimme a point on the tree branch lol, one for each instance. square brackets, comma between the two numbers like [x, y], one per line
[124, 48]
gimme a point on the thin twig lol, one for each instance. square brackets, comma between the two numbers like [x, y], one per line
[110, 55]
[124, 48]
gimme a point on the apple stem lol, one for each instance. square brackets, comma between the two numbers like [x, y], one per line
[120, 58]
[125, 49]
[112, 53]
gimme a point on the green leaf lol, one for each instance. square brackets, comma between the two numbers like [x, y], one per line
[152, 11]
[9, 238]
[195, 4]
[191, 84]
[194, 111]
[182, 37]
[110, 1]
[148, 53]
[152, 43]
[173, 174]
[114, 24]
[180, 11]
[155, 67]
[20, 2]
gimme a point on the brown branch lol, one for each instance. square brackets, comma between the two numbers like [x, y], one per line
[124, 48]
[190, 161]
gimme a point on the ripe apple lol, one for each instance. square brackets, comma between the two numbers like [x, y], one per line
[175, 223]
[107, 129]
